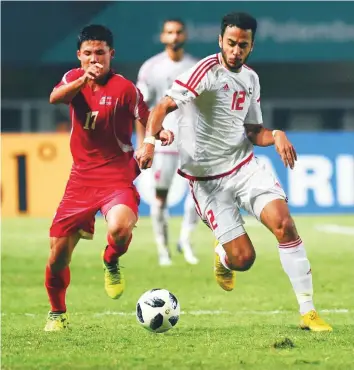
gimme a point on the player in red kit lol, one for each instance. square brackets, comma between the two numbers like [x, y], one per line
[103, 108]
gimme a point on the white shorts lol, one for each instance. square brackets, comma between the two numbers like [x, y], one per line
[164, 169]
[218, 202]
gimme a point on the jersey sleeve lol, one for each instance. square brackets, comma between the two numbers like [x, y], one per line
[70, 76]
[254, 114]
[194, 82]
[145, 84]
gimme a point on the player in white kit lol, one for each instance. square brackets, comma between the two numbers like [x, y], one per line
[219, 120]
[154, 79]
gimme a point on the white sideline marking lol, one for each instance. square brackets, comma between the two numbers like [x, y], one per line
[335, 229]
[220, 312]
[193, 313]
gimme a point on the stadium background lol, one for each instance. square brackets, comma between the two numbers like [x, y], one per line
[305, 60]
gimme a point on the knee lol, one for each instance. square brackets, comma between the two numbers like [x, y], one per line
[60, 255]
[285, 229]
[120, 223]
[120, 232]
[241, 260]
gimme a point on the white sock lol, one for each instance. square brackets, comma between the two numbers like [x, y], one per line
[190, 220]
[159, 223]
[219, 249]
[295, 263]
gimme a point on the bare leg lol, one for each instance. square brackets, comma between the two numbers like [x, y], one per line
[120, 223]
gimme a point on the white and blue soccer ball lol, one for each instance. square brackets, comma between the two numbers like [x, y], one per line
[158, 310]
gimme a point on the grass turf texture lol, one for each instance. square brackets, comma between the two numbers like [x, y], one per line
[218, 330]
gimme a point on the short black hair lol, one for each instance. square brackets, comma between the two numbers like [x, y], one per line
[177, 20]
[240, 20]
[95, 32]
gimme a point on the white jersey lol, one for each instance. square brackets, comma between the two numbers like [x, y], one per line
[155, 77]
[213, 106]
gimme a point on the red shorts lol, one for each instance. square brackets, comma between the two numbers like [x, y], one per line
[77, 209]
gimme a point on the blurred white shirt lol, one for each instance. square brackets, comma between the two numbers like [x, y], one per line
[155, 77]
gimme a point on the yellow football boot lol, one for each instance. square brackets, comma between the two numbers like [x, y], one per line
[114, 281]
[311, 321]
[224, 277]
[57, 322]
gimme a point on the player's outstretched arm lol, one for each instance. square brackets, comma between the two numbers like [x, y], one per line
[261, 136]
[66, 92]
[158, 114]
[145, 153]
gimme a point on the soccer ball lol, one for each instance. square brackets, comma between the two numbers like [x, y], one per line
[157, 310]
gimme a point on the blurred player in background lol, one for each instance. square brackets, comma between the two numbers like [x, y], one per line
[155, 77]
[103, 107]
[219, 120]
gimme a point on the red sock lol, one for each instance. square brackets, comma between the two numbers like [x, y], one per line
[114, 251]
[56, 284]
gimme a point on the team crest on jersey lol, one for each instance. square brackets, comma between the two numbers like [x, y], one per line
[250, 91]
[106, 100]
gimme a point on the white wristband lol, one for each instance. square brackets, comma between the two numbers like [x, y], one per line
[274, 132]
[149, 140]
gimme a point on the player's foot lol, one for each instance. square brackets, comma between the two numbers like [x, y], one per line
[312, 321]
[165, 260]
[114, 282]
[164, 256]
[188, 254]
[57, 321]
[224, 277]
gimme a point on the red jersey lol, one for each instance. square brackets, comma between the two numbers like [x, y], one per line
[102, 126]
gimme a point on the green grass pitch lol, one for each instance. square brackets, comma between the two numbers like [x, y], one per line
[253, 327]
